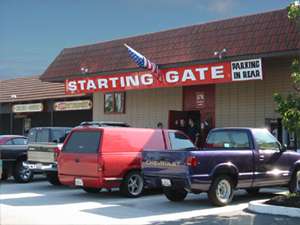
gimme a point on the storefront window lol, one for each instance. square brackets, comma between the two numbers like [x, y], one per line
[114, 102]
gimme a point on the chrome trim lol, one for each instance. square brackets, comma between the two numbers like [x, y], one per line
[113, 179]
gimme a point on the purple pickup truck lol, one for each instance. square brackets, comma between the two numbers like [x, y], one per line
[234, 158]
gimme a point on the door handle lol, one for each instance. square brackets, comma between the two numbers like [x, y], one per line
[261, 157]
[77, 160]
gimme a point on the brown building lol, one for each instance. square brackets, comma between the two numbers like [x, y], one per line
[268, 39]
[28, 102]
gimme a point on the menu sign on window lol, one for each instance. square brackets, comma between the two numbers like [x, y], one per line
[22, 108]
[73, 105]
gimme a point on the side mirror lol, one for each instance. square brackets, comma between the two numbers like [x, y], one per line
[283, 148]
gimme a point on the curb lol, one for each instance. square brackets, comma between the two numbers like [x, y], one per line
[260, 207]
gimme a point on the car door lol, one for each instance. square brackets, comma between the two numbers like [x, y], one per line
[13, 148]
[271, 163]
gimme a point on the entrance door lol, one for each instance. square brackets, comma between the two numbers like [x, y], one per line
[178, 120]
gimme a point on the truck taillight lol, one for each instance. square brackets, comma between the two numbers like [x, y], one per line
[192, 161]
[56, 153]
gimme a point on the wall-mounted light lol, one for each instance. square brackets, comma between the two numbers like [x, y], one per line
[220, 53]
[84, 70]
[13, 96]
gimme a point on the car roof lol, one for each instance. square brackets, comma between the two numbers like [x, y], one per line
[11, 136]
[4, 138]
[238, 128]
[62, 128]
[104, 124]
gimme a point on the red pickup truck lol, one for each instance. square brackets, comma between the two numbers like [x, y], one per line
[106, 157]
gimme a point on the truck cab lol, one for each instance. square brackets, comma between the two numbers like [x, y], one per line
[44, 145]
[234, 158]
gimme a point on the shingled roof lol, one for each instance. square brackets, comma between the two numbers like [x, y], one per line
[259, 34]
[29, 89]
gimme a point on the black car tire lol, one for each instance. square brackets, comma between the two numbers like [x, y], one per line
[91, 190]
[22, 174]
[52, 178]
[221, 191]
[293, 186]
[252, 191]
[175, 195]
[132, 185]
[4, 175]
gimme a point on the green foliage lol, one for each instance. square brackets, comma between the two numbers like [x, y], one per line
[289, 106]
[293, 11]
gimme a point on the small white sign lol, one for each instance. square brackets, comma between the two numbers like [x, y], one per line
[73, 105]
[247, 70]
[22, 108]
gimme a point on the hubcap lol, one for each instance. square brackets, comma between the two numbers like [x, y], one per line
[223, 191]
[135, 184]
[25, 172]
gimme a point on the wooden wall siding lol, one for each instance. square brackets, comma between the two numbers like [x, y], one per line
[249, 103]
[144, 108]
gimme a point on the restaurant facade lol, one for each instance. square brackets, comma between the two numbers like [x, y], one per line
[220, 74]
[27, 102]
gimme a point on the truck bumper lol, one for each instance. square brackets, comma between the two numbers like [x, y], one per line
[41, 167]
[191, 184]
[1, 170]
[83, 181]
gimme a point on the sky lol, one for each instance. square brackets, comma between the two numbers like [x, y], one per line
[33, 32]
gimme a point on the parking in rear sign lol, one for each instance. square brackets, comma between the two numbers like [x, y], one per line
[246, 70]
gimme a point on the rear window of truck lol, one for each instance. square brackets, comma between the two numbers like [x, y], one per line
[83, 142]
[180, 141]
[228, 139]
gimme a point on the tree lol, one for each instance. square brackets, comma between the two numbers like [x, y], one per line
[289, 106]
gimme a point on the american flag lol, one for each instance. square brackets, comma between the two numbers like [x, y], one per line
[142, 61]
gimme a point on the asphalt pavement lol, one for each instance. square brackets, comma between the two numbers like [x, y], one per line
[42, 203]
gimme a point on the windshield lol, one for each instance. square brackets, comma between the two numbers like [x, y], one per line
[265, 140]
[228, 139]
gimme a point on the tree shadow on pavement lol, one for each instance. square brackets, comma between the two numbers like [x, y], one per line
[234, 219]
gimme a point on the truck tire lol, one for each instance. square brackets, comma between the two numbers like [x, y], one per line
[133, 185]
[91, 190]
[175, 195]
[4, 175]
[252, 191]
[52, 178]
[22, 174]
[221, 191]
[294, 185]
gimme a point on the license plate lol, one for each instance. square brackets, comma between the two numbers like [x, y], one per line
[78, 182]
[166, 182]
[38, 166]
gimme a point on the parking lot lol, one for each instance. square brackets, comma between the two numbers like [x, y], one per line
[42, 203]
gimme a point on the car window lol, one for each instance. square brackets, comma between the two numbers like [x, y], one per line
[180, 141]
[20, 141]
[32, 136]
[228, 139]
[9, 142]
[83, 142]
[42, 135]
[58, 135]
[265, 140]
